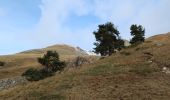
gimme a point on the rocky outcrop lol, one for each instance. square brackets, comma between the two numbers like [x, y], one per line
[11, 82]
[79, 61]
[126, 43]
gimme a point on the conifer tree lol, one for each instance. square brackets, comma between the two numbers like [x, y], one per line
[138, 33]
[107, 39]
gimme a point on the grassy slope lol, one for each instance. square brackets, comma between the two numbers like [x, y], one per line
[16, 64]
[61, 49]
[127, 75]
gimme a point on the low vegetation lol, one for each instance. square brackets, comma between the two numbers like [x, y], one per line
[2, 63]
[107, 69]
[144, 69]
[33, 74]
[51, 64]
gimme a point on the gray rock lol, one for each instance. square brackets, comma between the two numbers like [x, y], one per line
[11, 82]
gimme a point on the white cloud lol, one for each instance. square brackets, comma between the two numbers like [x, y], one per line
[155, 17]
[118, 11]
[51, 28]
[152, 14]
[54, 25]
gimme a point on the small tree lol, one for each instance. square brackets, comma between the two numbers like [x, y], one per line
[107, 37]
[138, 33]
[51, 62]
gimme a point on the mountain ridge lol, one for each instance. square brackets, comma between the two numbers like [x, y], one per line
[62, 49]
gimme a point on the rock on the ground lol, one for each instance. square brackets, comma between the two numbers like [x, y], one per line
[11, 82]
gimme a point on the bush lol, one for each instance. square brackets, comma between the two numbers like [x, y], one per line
[2, 63]
[51, 62]
[36, 75]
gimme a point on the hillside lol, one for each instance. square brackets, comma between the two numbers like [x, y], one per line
[61, 49]
[135, 73]
[16, 64]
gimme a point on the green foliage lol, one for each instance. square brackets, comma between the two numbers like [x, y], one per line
[51, 62]
[2, 63]
[119, 44]
[36, 75]
[138, 33]
[108, 40]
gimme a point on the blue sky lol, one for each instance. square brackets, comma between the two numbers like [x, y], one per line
[29, 24]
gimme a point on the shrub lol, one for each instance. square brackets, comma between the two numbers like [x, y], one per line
[2, 63]
[51, 62]
[35, 75]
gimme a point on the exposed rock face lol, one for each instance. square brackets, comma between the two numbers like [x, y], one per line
[79, 61]
[166, 70]
[80, 51]
[7, 83]
[126, 43]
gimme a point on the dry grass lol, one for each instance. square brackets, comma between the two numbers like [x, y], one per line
[16, 64]
[100, 81]
[61, 49]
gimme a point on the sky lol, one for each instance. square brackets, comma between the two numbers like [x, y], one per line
[31, 24]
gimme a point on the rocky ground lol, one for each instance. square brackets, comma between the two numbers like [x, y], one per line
[11, 82]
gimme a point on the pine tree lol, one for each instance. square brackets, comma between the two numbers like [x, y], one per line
[138, 33]
[51, 61]
[107, 39]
